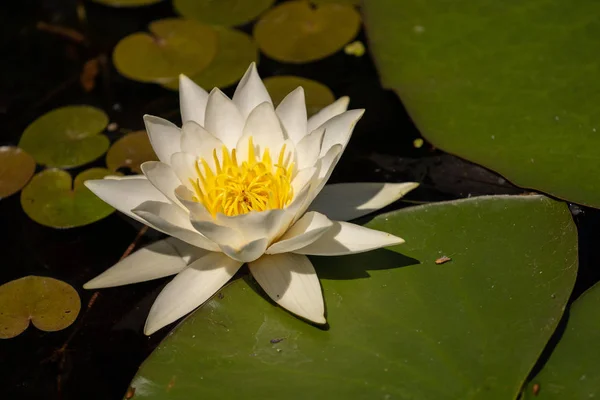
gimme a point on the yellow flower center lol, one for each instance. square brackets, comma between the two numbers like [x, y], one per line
[235, 188]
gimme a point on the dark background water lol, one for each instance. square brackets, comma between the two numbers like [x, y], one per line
[97, 356]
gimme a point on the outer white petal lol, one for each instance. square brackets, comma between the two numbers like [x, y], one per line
[163, 178]
[164, 136]
[292, 113]
[346, 238]
[335, 108]
[200, 143]
[339, 129]
[126, 194]
[255, 225]
[223, 119]
[155, 261]
[264, 128]
[192, 100]
[250, 92]
[248, 252]
[309, 148]
[305, 231]
[346, 201]
[189, 289]
[222, 235]
[173, 221]
[291, 281]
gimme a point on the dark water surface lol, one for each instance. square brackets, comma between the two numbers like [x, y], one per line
[97, 356]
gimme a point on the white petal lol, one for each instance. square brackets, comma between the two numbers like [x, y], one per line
[335, 108]
[303, 178]
[223, 119]
[255, 225]
[305, 231]
[196, 209]
[164, 136]
[126, 194]
[189, 289]
[346, 238]
[192, 100]
[264, 128]
[173, 221]
[248, 252]
[222, 235]
[346, 201]
[200, 143]
[163, 178]
[339, 129]
[155, 261]
[291, 281]
[183, 165]
[309, 148]
[250, 92]
[292, 113]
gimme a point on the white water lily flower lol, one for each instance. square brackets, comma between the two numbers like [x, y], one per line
[238, 183]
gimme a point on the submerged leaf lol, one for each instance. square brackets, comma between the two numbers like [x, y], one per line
[317, 94]
[295, 32]
[16, 168]
[50, 200]
[222, 12]
[66, 137]
[235, 51]
[51, 305]
[176, 46]
[130, 151]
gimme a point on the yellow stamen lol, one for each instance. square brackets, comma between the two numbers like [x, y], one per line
[235, 188]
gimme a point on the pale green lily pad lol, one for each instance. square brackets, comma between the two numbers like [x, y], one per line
[295, 32]
[52, 199]
[400, 326]
[51, 305]
[130, 151]
[510, 85]
[235, 52]
[176, 46]
[66, 137]
[573, 369]
[222, 12]
[317, 94]
[127, 3]
[16, 168]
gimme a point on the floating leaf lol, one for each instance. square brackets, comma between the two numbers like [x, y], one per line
[317, 95]
[573, 369]
[295, 32]
[16, 168]
[66, 137]
[50, 200]
[127, 3]
[176, 46]
[508, 86]
[235, 52]
[130, 151]
[222, 12]
[51, 305]
[400, 325]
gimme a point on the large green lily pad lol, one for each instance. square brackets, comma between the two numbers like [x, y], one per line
[222, 12]
[16, 168]
[510, 85]
[573, 370]
[66, 137]
[52, 199]
[236, 50]
[400, 325]
[176, 46]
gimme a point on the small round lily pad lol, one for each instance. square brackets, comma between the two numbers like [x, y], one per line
[127, 3]
[130, 151]
[16, 168]
[66, 137]
[51, 305]
[222, 12]
[295, 32]
[176, 46]
[236, 50]
[49, 199]
[317, 95]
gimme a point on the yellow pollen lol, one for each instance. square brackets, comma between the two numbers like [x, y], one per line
[235, 188]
